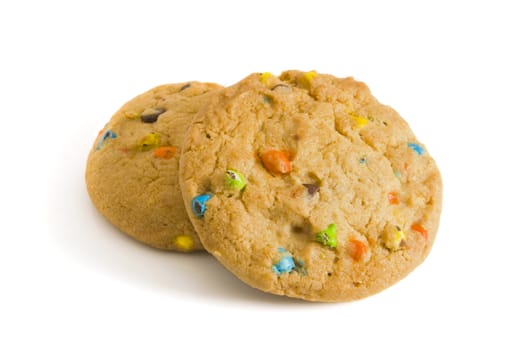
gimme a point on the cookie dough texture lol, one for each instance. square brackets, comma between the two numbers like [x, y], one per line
[131, 173]
[340, 199]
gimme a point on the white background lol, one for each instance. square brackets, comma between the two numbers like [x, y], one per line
[455, 70]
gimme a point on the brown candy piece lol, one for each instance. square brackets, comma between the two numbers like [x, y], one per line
[184, 87]
[312, 189]
[150, 118]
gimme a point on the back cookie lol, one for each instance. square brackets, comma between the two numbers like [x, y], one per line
[131, 172]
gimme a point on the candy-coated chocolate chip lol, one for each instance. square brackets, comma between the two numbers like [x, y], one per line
[199, 204]
[108, 134]
[360, 122]
[306, 79]
[357, 250]
[393, 198]
[419, 228]
[165, 152]
[285, 264]
[312, 189]
[234, 179]
[309, 76]
[328, 237]
[416, 148]
[132, 114]
[184, 242]
[264, 77]
[149, 142]
[276, 162]
[151, 116]
[184, 87]
[395, 239]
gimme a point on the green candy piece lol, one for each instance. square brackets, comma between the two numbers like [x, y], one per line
[328, 237]
[234, 180]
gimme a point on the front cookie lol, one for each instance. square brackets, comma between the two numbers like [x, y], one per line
[306, 186]
[131, 173]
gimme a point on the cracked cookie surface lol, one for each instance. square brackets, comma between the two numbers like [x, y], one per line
[131, 172]
[305, 185]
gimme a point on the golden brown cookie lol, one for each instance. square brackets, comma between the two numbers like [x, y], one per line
[131, 173]
[305, 185]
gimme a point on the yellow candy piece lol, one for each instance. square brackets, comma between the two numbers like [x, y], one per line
[306, 79]
[265, 77]
[132, 114]
[310, 75]
[360, 122]
[149, 142]
[394, 238]
[184, 242]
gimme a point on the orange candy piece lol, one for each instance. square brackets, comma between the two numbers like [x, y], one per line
[357, 249]
[419, 228]
[165, 152]
[276, 162]
[393, 197]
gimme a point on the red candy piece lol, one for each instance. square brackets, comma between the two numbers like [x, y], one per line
[419, 228]
[393, 197]
[357, 249]
[276, 162]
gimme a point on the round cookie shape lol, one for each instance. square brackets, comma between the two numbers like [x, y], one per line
[131, 172]
[338, 199]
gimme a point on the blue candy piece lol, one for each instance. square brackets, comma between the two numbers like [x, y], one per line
[199, 204]
[286, 264]
[416, 148]
[107, 134]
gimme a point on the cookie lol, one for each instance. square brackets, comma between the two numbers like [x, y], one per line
[304, 185]
[131, 172]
